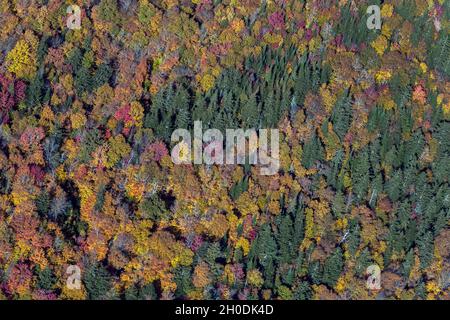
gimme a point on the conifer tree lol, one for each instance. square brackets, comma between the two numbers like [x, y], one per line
[360, 173]
[342, 114]
[285, 237]
[97, 281]
[333, 267]
[267, 252]
[426, 249]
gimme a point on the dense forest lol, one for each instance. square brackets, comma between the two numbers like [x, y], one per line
[86, 177]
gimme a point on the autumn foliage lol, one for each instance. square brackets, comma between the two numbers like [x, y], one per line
[86, 177]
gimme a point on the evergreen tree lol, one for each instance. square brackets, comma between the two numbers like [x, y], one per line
[393, 185]
[303, 291]
[342, 115]
[250, 112]
[146, 292]
[267, 252]
[285, 237]
[101, 75]
[183, 279]
[312, 151]
[426, 249]
[97, 281]
[83, 80]
[333, 177]
[315, 272]
[408, 263]
[353, 239]
[442, 219]
[46, 280]
[333, 267]
[338, 206]
[362, 262]
[360, 173]
[299, 227]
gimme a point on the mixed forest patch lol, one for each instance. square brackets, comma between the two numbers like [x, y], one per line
[86, 177]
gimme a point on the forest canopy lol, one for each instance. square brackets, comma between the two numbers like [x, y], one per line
[86, 177]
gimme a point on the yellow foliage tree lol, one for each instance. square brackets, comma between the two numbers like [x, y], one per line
[21, 60]
[118, 148]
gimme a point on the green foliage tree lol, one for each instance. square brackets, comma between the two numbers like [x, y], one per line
[97, 281]
[333, 267]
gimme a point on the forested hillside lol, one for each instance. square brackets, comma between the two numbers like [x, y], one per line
[86, 177]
